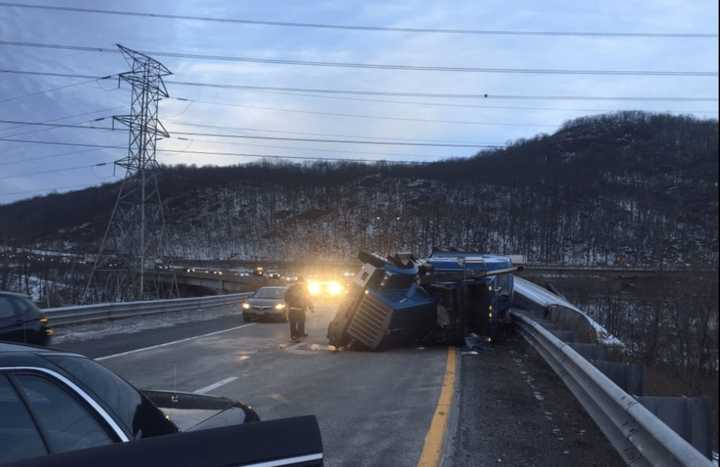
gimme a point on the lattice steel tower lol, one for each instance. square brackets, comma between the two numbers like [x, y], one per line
[133, 240]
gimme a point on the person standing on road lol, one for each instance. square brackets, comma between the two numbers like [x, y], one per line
[298, 302]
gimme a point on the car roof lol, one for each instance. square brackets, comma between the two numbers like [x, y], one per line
[12, 347]
[15, 354]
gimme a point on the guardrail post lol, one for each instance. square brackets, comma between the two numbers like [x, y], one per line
[630, 377]
[676, 434]
[690, 417]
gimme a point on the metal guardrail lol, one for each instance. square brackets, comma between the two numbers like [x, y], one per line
[640, 437]
[547, 300]
[70, 315]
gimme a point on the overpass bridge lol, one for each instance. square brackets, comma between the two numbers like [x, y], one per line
[228, 283]
[212, 283]
[552, 397]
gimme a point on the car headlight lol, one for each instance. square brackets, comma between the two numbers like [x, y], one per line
[335, 288]
[280, 306]
[314, 288]
[246, 306]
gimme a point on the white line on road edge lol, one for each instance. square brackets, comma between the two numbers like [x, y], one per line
[288, 461]
[214, 386]
[142, 349]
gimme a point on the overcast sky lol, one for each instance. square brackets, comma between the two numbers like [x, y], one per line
[257, 111]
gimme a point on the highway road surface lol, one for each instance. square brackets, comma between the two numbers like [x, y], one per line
[394, 408]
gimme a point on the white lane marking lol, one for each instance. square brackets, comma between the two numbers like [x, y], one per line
[165, 344]
[214, 386]
[288, 461]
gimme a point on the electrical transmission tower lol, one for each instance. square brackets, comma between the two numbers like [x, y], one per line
[133, 239]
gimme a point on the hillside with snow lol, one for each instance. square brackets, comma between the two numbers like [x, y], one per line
[628, 188]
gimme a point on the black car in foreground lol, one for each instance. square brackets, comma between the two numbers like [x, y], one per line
[22, 321]
[63, 409]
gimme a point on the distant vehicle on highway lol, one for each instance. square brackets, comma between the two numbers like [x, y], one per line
[273, 275]
[268, 303]
[197, 270]
[57, 403]
[22, 321]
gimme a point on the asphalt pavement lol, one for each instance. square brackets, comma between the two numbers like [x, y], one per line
[374, 409]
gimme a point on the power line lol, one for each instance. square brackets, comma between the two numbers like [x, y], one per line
[308, 93]
[368, 117]
[66, 187]
[39, 127]
[65, 169]
[444, 104]
[486, 96]
[302, 133]
[49, 156]
[373, 66]
[213, 153]
[262, 137]
[274, 156]
[61, 143]
[54, 74]
[484, 32]
[287, 148]
[385, 156]
[54, 120]
[317, 150]
[67, 116]
[61, 125]
[45, 91]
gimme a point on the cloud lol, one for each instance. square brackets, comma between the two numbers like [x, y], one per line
[333, 45]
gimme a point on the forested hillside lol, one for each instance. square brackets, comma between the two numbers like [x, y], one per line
[631, 187]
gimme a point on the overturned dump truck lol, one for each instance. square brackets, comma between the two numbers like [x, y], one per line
[399, 300]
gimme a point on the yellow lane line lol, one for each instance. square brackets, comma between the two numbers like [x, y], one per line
[432, 449]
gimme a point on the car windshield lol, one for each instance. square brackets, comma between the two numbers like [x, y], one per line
[270, 292]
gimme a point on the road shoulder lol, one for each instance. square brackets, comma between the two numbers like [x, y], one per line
[514, 410]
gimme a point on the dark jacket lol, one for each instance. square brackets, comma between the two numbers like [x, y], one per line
[297, 296]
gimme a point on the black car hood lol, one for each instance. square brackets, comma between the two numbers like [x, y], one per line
[190, 412]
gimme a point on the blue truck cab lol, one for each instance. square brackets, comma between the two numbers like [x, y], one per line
[399, 300]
